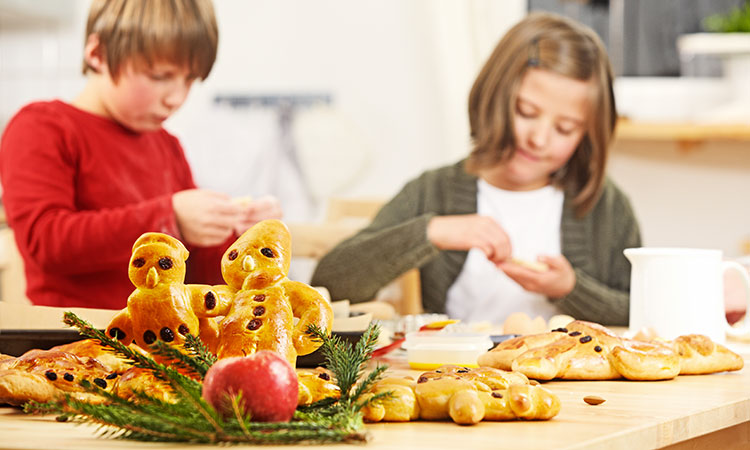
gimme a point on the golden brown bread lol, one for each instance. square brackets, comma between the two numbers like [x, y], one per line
[464, 395]
[589, 351]
[315, 385]
[46, 375]
[261, 315]
[162, 306]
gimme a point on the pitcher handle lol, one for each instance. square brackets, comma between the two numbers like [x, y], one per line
[744, 329]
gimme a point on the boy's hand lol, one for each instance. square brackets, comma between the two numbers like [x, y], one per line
[254, 211]
[464, 232]
[555, 282]
[205, 218]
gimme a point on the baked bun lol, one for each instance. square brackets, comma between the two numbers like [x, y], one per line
[464, 395]
[262, 313]
[589, 351]
[316, 385]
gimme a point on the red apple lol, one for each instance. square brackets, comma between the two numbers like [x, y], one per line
[267, 381]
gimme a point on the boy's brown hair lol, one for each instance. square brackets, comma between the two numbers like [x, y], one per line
[182, 32]
[551, 42]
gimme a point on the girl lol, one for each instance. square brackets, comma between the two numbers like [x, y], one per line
[529, 221]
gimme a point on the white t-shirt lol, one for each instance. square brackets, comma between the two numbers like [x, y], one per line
[482, 292]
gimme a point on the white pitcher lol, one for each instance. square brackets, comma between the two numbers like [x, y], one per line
[677, 291]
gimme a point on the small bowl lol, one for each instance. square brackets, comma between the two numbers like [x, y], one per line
[428, 350]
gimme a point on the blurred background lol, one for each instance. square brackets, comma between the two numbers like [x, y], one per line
[350, 98]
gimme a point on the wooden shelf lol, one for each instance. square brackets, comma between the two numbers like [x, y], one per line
[688, 133]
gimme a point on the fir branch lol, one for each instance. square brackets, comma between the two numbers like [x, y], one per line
[348, 362]
[199, 351]
[177, 357]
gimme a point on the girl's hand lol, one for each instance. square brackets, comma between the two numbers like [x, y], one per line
[465, 232]
[205, 218]
[556, 282]
[267, 207]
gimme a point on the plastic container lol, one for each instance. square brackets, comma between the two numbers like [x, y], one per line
[428, 350]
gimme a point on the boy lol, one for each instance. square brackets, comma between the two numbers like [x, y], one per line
[82, 181]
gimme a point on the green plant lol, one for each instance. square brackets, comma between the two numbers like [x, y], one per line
[737, 20]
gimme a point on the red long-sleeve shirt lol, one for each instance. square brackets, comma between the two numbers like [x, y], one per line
[78, 190]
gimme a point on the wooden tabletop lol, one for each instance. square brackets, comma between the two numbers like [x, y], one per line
[707, 411]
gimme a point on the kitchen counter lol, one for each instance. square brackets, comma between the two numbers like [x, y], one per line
[707, 411]
[685, 132]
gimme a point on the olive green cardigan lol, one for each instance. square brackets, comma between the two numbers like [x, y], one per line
[396, 241]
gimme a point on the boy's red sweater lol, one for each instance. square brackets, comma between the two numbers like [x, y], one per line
[78, 190]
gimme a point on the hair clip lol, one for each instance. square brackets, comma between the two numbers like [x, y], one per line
[533, 60]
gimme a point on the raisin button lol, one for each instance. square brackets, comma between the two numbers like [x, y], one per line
[259, 298]
[324, 376]
[52, 376]
[210, 300]
[117, 334]
[149, 337]
[254, 324]
[68, 377]
[259, 310]
[166, 334]
[100, 382]
[183, 329]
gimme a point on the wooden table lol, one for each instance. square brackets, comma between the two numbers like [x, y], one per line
[689, 412]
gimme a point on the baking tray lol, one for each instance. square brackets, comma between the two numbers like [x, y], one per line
[18, 342]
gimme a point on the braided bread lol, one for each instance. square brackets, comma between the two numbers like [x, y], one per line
[589, 351]
[315, 385]
[464, 395]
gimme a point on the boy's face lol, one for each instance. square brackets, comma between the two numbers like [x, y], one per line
[145, 96]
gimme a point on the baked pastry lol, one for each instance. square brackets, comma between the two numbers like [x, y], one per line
[162, 306]
[589, 351]
[262, 312]
[136, 381]
[315, 385]
[46, 375]
[464, 395]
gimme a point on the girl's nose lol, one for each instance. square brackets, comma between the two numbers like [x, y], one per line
[539, 135]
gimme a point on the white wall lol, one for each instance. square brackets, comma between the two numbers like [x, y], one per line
[399, 73]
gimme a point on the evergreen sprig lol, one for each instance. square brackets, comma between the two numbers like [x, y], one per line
[191, 419]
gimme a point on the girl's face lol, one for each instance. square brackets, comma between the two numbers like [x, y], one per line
[143, 98]
[550, 119]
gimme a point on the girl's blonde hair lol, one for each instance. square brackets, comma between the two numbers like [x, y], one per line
[183, 32]
[560, 45]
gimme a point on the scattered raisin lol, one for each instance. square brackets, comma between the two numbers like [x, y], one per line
[597, 349]
[51, 375]
[232, 255]
[165, 263]
[533, 383]
[561, 329]
[112, 376]
[259, 311]
[254, 324]
[166, 334]
[210, 300]
[68, 377]
[464, 370]
[324, 376]
[267, 252]
[259, 297]
[183, 329]
[422, 379]
[139, 262]
[149, 337]
[585, 339]
[497, 394]
[100, 382]
[593, 400]
[574, 333]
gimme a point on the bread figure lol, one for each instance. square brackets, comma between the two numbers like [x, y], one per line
[46, 375]
[466, 396]
[262, 313]
[162, 306]
[316, 385]
[588, 351]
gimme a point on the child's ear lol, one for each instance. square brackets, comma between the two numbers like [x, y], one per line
[93, 53]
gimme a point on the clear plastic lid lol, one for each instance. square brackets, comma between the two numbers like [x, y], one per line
[437, 340]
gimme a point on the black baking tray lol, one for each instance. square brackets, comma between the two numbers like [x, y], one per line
[18, 342]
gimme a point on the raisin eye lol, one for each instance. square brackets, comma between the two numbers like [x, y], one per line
[139, 262]
[267, 252]
[232, 255]
[166, 334]
[254, 324]
[165, 263]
